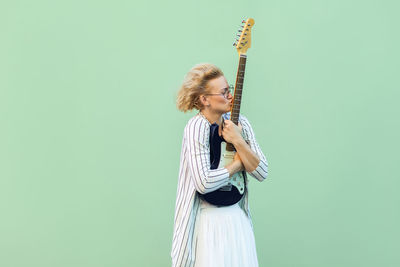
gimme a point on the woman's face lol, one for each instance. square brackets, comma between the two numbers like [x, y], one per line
[217, 87]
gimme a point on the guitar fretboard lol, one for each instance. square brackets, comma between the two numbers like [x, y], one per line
[235, 110]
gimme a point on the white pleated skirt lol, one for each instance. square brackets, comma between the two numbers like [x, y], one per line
[224, 237]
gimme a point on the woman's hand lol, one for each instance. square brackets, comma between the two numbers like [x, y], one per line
[236, 165]
[236, 157]
[231, 132]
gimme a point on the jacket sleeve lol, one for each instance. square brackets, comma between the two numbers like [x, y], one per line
[204, 179]
[261, 172]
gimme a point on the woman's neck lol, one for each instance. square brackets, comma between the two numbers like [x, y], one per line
[212, 117]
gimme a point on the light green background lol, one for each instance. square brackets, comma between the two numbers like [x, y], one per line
[90, 136]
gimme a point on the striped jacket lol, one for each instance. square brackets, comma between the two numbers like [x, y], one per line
[195, 175]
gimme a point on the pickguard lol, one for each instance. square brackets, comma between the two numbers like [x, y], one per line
[236, 179]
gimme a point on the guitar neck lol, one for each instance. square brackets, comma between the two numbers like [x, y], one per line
[235, 110]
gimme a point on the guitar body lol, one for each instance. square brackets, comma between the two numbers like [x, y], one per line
[220, 157]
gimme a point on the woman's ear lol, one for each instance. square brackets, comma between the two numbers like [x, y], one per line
[203, 100]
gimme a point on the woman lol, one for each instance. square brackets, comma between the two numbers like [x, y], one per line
[206, 235]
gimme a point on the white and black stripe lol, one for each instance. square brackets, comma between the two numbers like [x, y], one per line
[261, 172]
[195, 175]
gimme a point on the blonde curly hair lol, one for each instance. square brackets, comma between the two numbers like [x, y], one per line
[195, 84]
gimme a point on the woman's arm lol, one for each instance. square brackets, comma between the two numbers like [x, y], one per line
[250, 153]
[205, 179]
[249, 157]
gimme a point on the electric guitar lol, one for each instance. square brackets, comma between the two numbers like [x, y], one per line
[222, 152]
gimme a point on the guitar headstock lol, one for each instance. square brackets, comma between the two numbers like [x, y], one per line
[244, 41]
